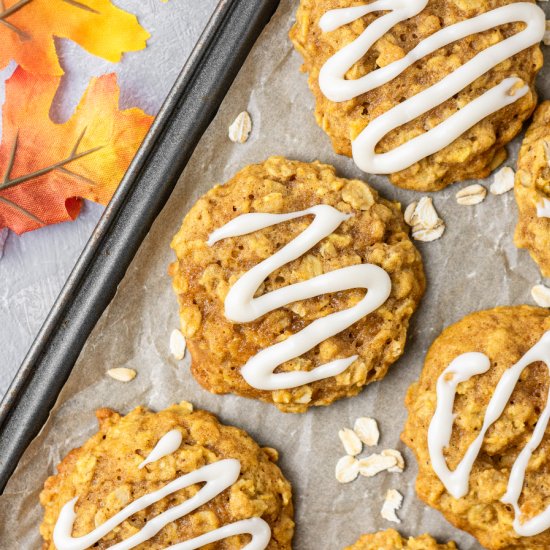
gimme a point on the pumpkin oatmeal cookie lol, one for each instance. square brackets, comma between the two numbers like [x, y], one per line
[369, 230]
[109, 473]
[532, 190]
[392, 540]
[506, 349]
[478, 150]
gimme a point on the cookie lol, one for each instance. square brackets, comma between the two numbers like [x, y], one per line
[271, 274]
[532, 190]
[475, 419]
[217, 483]
[392, 540]
[367, 76]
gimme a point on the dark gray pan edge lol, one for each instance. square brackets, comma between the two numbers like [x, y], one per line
[184, 117]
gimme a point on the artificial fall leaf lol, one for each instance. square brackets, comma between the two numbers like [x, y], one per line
[47, 168]
[28, 28]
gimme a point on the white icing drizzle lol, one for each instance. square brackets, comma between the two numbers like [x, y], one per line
[242, 307]
[217, 477]
[543, 208]
[439, 433]
[336, 88]
[167, 444]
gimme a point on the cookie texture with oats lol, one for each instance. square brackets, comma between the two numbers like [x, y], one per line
[202, 276]
[392, 540]
[504, 334]
[473, 155]
[104, 474]
[532, 187]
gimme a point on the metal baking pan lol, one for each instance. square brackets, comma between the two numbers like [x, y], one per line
[145, 189]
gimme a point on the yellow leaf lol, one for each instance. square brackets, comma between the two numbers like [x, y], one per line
[28, 28]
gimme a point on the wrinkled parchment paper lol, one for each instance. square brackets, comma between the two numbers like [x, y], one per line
[474, 266]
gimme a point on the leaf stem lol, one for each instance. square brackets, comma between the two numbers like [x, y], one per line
[12, 158]
[15, 8]
[9, 182]
[81, 6]
[6, 12]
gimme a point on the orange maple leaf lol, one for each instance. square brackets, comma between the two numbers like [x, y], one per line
[28, 27]
[47, 168]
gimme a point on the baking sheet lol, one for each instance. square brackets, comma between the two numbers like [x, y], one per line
[474, 266]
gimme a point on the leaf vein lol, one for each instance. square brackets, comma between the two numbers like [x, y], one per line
[9, 182]
[22, 210]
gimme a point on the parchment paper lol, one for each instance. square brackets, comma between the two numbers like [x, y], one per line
[474, 266]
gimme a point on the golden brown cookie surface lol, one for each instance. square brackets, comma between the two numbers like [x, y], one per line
[532, 187]
[392, 540]
[479, 150]
[203, 275]
[104, 473]
[504, 334]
